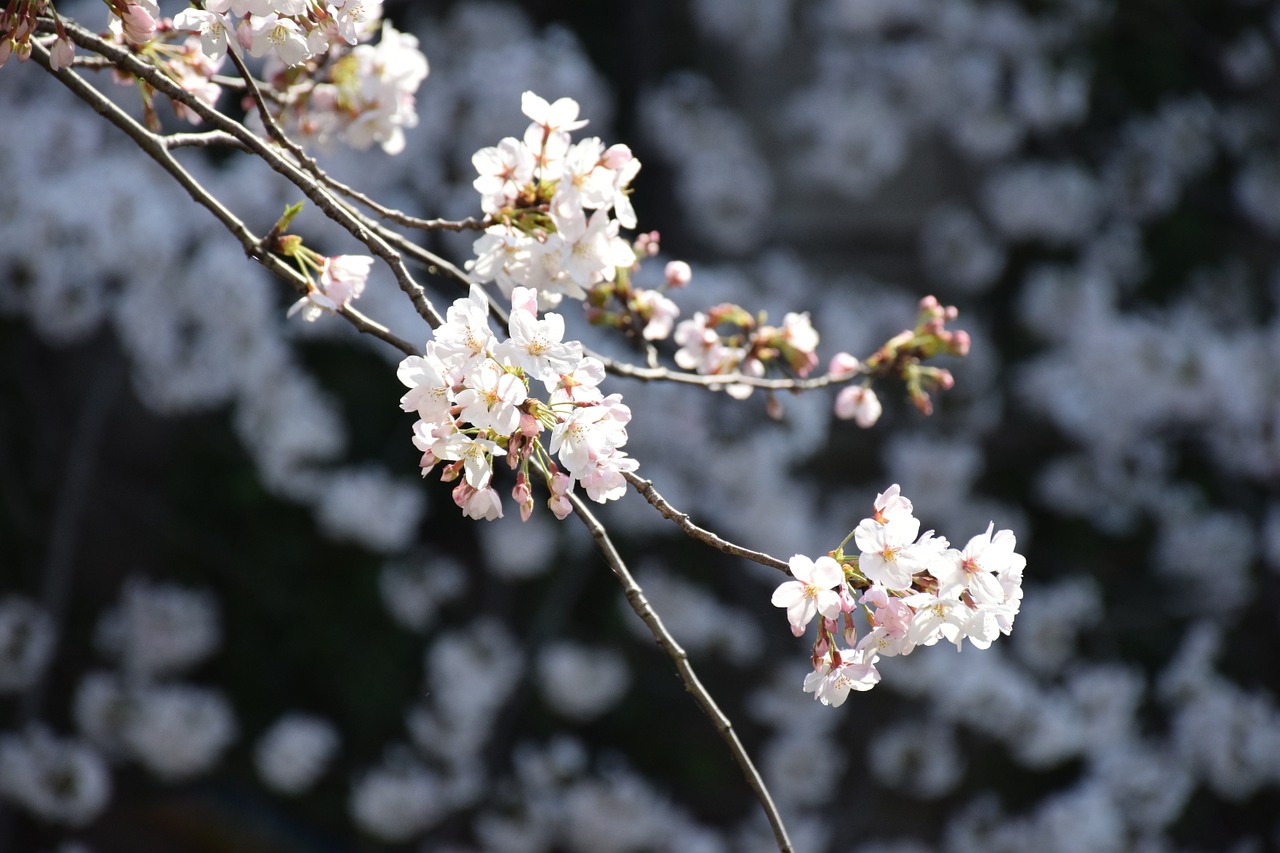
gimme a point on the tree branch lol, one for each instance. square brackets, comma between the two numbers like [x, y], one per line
[157, 147]
[368, 233]
[723, 726]
[381, 242]
[693, 531]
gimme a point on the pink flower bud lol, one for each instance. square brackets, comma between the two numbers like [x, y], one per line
[525, 299]
[850, 632]
[959, 344]
[138, 24]
[244, 33]
[678, 274]
[860, 404]
[61, 54]
[523, 496]
[616, 156]
[6, 50]
[558, 503]
[843, 365]
[847, 602]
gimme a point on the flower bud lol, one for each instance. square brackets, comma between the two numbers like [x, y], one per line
[616, 156]
[678, 274]
[61, 54]
[138, 24]
[843, 365]
[523, 496]
[529, 425]
[860, 404]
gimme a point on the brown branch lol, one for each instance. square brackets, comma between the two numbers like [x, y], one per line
[400, 218]
[368, 233]
[433, 262]
[208, 139]
[700, 534]
[718, 380]
[723, 726]
[157, 148]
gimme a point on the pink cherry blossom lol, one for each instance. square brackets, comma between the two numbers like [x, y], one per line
[830, 684]
[858, 403]
[561, 116]
[811, 592]
[974, 569]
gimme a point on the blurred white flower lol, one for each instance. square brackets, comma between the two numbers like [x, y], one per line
[294, 752]
[580, 682]
[398, 799]
[370, 507]
[27, 640]
[57, 780]
[159, 629]
[412, 591]
[177, 731]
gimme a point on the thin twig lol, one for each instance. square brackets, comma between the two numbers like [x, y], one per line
[207, 139]
[719, 380]
[370, 234]
[398, 241]
[155, 146]
[391, 214]
[723, 726]
[274, 130]
[693, 531]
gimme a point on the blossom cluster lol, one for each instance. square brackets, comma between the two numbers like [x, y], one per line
[473, 396]
[342, 280]
[538, 191]
[293, 31]
[913, 588]
[332, 85]
[357, 96]
[750, 349]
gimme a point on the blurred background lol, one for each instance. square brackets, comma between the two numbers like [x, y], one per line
[233, 618]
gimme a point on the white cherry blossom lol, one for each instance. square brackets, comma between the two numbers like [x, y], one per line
[492, 398]
[830, 684]
[811, 592]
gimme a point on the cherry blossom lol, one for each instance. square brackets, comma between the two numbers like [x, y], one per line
[558, 117]
[342, 280]
[273, 33]
[974, 569]
[491, 398]
[831, 682]
[811, 592]
[858, 403]
[212, 27]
